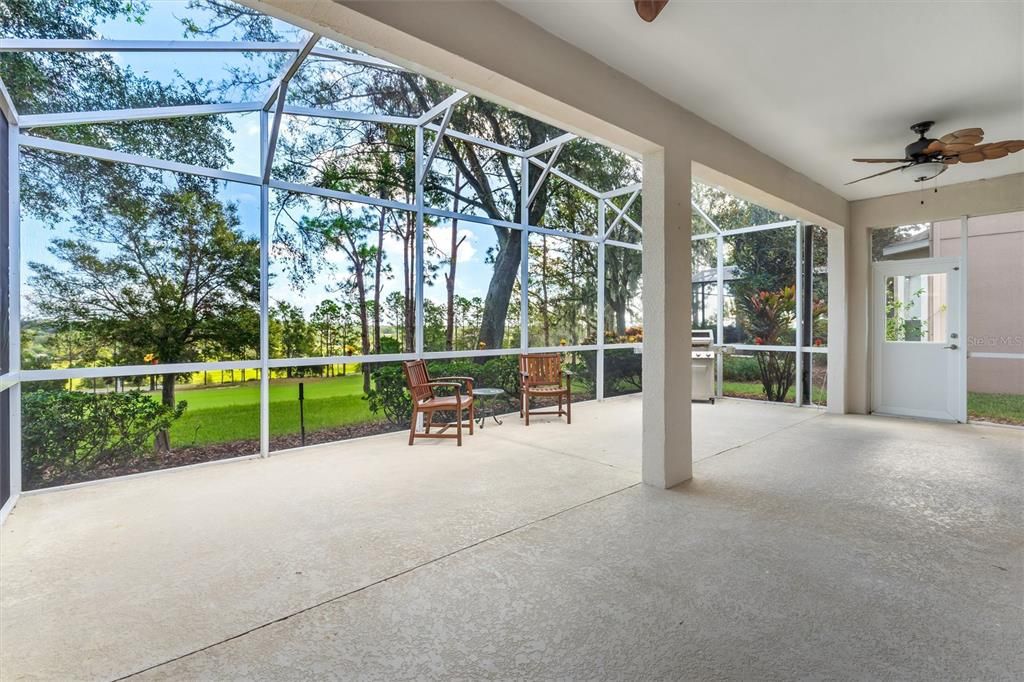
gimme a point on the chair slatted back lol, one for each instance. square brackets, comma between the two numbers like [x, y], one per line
[541, 369]
[417, 378]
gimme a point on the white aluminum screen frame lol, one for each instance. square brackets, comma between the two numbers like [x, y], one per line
[271, 110]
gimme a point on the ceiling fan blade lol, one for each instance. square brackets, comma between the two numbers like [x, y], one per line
[881, 160]
[868, 177]
[649, 9]
[1011, 146]
[965, 135]
[935, 147]
[973, 156]
[958, 147]
[993, 153]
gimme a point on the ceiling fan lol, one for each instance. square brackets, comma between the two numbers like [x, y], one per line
[925, 158]
[649, 9]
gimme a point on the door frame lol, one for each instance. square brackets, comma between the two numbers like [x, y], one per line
[879, 270]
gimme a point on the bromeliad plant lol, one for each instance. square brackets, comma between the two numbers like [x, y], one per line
[769, 316]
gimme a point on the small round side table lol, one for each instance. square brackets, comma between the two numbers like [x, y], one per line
[487, 395]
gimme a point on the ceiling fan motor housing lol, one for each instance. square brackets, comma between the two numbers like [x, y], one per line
[915, 150]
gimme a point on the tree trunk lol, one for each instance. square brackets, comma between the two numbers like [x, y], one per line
[620, 316]
[378, 263]
[499, 290]
[449, 331]
[364, 327]
[163, 438]
[408, 254]
[545, 308]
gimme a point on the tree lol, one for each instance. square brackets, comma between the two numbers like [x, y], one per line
[292, 331]
[326, 320]
[343, 231]
[174, 271]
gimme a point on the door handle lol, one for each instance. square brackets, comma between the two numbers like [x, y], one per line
[951, 346]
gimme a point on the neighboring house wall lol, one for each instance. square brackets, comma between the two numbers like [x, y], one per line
[981, 198]
[995, 296]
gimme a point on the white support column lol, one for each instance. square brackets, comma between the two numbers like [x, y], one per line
[720, 312]
[524, 250]
[963, 331]
[601, 279]
[420, 268]
[799, 313]
[264, 291]
[667, 446]
[14, 308]
[837, 320]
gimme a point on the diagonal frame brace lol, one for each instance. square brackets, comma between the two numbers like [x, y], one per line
[437, 144]
[289, 71]
[705, 216]
[279, 92]
[636, 226]
[7, 108]
[442, 107]
[621, 213]
[544, 174]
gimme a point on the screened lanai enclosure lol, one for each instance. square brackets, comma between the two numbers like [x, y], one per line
[225, 234]
[760, 283]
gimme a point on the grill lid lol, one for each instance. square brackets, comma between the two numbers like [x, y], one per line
[702, 338]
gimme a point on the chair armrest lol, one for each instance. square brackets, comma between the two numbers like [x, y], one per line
[454, 378]
[448, 384]
[452, 384]
[467, 380]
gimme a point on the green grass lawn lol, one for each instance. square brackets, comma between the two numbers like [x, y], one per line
[229, 413]
[1003, 408]
[221, 414]
[996, 407]
[753, 390]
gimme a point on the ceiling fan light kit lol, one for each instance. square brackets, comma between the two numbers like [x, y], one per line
[927, 158]
[919, 172]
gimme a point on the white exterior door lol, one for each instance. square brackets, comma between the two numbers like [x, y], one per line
[919, 355]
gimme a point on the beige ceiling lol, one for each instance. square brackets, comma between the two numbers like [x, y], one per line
[815, 84]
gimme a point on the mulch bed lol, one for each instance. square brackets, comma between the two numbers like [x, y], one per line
[180, 457]
[210, 453]
[294, 440]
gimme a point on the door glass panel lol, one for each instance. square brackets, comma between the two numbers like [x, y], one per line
[902, 242]
[916, 308]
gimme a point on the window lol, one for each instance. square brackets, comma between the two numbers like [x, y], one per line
[916, 307]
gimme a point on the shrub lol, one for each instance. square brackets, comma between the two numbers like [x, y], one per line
[68, 434]
[623, 368]
[390, 397]
[739, 368]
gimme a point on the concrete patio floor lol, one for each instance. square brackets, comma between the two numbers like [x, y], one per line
[806, 545]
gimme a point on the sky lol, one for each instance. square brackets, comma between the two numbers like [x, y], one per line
[162, 22]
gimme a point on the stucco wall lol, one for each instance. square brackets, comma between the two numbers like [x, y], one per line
[995, 296]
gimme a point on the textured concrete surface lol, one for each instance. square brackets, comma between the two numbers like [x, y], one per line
[836, 547]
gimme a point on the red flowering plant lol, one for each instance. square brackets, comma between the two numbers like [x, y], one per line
[769, 316]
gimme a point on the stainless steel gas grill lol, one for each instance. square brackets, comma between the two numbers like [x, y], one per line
[703, 360]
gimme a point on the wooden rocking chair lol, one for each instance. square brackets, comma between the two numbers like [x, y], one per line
[424, 401]
[541, 375]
